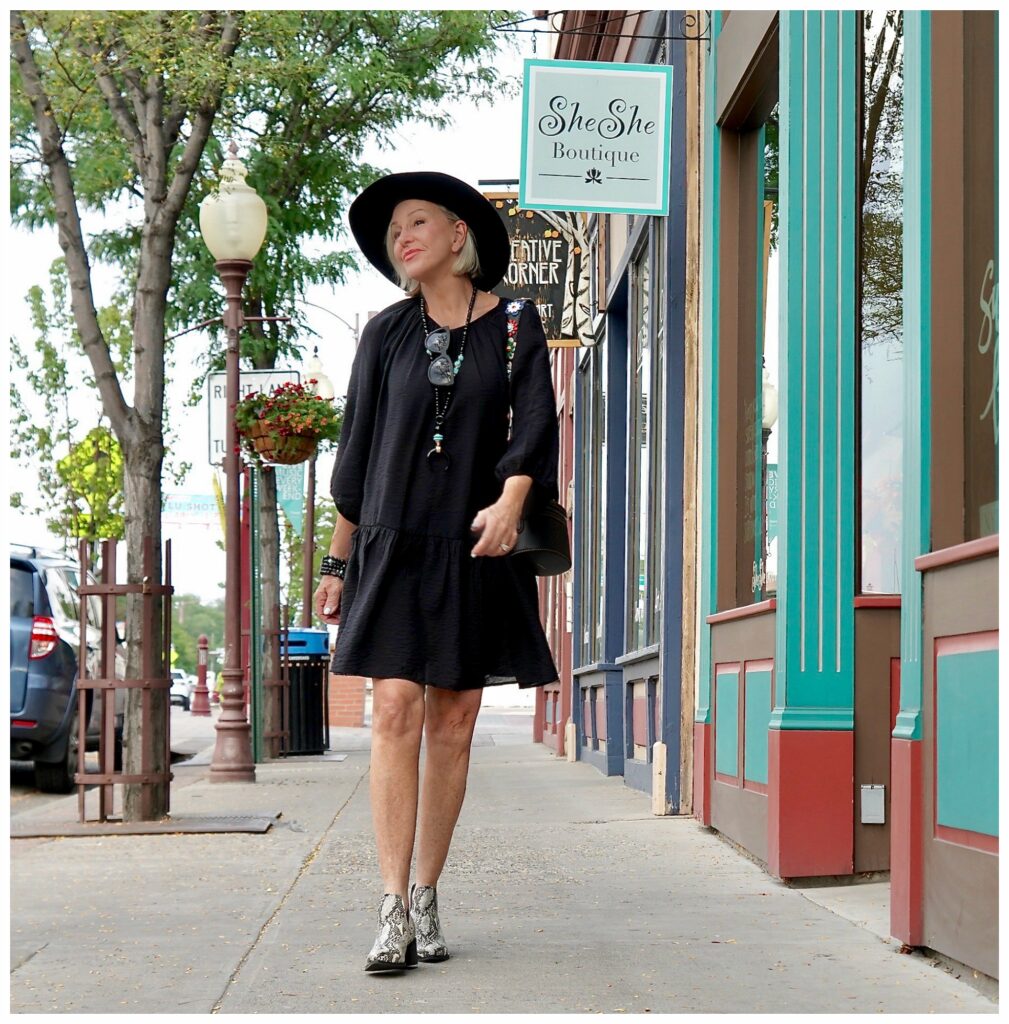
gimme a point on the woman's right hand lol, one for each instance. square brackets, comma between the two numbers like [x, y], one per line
[327, 599]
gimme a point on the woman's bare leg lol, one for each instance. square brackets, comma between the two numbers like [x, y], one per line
[397, 721]
[450, 719]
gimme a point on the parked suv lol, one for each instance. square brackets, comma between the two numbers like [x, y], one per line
[182, 689]
[44, 646]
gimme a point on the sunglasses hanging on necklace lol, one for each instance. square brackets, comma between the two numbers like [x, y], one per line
[442, 373]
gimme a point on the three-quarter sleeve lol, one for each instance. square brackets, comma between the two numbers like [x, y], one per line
[354, 446]
[533, 448]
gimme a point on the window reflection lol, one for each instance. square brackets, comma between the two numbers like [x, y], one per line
[653, 553]
[882, 348]
[593, 502]
[765, 562]
[647, 333]
[639, 460]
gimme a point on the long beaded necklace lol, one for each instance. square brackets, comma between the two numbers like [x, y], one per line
[437, 454]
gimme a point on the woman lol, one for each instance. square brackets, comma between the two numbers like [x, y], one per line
[430, 483]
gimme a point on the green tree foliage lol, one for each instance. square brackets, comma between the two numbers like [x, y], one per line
[881, 180]
[92, 474]
[118, 123]
[80, 482]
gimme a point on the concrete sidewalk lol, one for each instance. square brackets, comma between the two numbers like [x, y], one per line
[562, 894]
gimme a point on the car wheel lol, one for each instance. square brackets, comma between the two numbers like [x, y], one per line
[117, 753]
[58, 777]
[185, 703]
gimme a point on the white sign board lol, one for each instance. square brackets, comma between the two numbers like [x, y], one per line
[250, 381]
[596, 137]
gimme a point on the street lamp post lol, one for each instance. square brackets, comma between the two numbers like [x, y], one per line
[323, 387]
[233, 225]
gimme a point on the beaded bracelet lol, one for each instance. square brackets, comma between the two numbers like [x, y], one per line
[332, 566]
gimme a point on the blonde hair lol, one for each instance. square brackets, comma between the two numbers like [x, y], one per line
[467, 263]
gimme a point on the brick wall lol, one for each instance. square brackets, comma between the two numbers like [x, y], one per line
[346, 701]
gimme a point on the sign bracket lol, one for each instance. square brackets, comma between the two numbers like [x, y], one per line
[687, 22]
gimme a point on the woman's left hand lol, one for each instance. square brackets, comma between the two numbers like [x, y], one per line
[497, 527]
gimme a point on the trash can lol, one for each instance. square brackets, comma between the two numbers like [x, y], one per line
[306, 654]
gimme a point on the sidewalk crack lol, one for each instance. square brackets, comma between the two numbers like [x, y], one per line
[17, 967]
[309, 857]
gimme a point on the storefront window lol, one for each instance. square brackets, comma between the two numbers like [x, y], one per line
[881, 278]
[593, 501]
[763, 428]
[645, 432]
[654, 550]
[980, 267]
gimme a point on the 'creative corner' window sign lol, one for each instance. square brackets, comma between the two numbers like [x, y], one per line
[595, 137]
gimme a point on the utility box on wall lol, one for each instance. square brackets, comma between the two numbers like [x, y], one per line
[873, 805]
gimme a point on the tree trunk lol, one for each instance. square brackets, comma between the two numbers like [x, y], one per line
[142, 486]
[269, 575]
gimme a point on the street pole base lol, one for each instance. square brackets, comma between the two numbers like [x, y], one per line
[201, 703]
[232, 760]
[236, 774]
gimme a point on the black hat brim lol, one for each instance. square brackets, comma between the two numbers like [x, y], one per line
[372, 210]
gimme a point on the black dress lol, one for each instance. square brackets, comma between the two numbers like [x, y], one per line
[415, 604]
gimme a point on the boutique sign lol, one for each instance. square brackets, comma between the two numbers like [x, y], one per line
[595, 137]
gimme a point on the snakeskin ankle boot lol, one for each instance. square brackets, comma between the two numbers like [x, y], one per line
[431, 946]
[396, 944]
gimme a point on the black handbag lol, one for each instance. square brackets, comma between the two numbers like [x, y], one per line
[543, 540]
[543, 533]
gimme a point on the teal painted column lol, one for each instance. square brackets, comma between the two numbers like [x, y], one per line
[907, 777]
[917, 332]
[709, 375]
[814, 664]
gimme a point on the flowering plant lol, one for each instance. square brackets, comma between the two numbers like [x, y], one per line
[288, 415]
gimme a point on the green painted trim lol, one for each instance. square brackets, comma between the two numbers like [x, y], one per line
[790, 192]
[709, 374]
[806, 351]
[832, 264]
[917, 332]
[812, 719]
[727, 723]
[851, 72]
[756, 718]
[966, 741]
[815, 622]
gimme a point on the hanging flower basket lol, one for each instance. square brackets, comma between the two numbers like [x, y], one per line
[287, 451]
[285, 425]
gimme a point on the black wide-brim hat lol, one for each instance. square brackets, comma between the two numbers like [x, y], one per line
[371, 212]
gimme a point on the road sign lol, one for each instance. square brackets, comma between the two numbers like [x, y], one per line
[250, 381]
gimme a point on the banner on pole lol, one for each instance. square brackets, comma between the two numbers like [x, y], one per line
[291, 493]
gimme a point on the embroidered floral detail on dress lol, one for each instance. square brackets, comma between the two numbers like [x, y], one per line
[513, 309]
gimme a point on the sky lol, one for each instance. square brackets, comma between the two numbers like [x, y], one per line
[482, 143]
